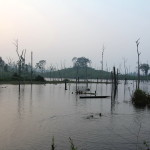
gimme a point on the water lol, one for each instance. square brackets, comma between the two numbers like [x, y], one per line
[30, 118]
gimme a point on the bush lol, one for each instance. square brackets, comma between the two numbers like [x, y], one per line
[66, 80]
[16, 77]
[140, 98]
[39, 78]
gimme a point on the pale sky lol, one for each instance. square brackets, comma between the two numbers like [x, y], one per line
[58, 30]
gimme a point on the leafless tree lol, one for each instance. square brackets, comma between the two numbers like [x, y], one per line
[41, 65]
[138, 53]
[103, 48]
[21, 59]
[125, 67]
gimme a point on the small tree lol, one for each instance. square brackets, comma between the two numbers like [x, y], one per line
[145, 68]
[11, 65]
[2, 63]
[41, 65]
[74, 59]
[81, 62]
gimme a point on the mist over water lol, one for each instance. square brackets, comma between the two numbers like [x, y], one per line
[30, 118]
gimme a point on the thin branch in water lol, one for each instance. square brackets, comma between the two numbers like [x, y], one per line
[53, 144]
[138, 136]
[72, 144]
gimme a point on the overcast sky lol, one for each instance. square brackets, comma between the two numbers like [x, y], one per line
[58, 30]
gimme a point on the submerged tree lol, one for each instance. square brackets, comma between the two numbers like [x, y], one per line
[21, 61]
[138, 53]
[21, 57]
[102, 56]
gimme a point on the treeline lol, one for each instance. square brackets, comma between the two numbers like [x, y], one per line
[78, 72]
[88, 73]
[21, 71]
[9, 71]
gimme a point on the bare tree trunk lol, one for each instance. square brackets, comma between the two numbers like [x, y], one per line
[138, 53]
[20, 61]
[31, 66]
[102, 55]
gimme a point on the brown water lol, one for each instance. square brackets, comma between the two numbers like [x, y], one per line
[30, 118]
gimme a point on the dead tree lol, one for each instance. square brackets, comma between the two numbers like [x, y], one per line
[31, 66]
[125, 69]
[124, 63]
[102, 55]
[21, 61]
[138, 53]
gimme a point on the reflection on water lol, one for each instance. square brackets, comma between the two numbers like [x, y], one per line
[32, 116]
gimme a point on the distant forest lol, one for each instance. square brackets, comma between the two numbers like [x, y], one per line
[81, 69]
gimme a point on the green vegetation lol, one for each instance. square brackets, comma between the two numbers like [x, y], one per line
[144, 68]
[80, 62]
[147, 147]
[39, 78]
[81, 72]
[20, 71]
[140, 98]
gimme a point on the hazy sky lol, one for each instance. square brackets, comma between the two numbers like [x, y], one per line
[58, 30]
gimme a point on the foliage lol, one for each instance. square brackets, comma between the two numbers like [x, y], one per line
[1, 62]
[145, 68]
[81, 62]
[74, 59]
[15, 77]
[66, 80]
[39, 78]
[41, 65]
[146, 145]
[140, 98]
[78, 72]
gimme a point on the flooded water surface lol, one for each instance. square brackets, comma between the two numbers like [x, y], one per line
[29, 119]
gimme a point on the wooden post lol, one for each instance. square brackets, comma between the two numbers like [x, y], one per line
[31, 66]
[117, 76]
[112, 78]
[115, 80]
[76, 85]
[65, 85]
[78, 80]
[102, 55]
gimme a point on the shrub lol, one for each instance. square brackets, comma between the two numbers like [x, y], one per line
[39, 78]
[16, 77]
[140, 98]
[66, 80]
